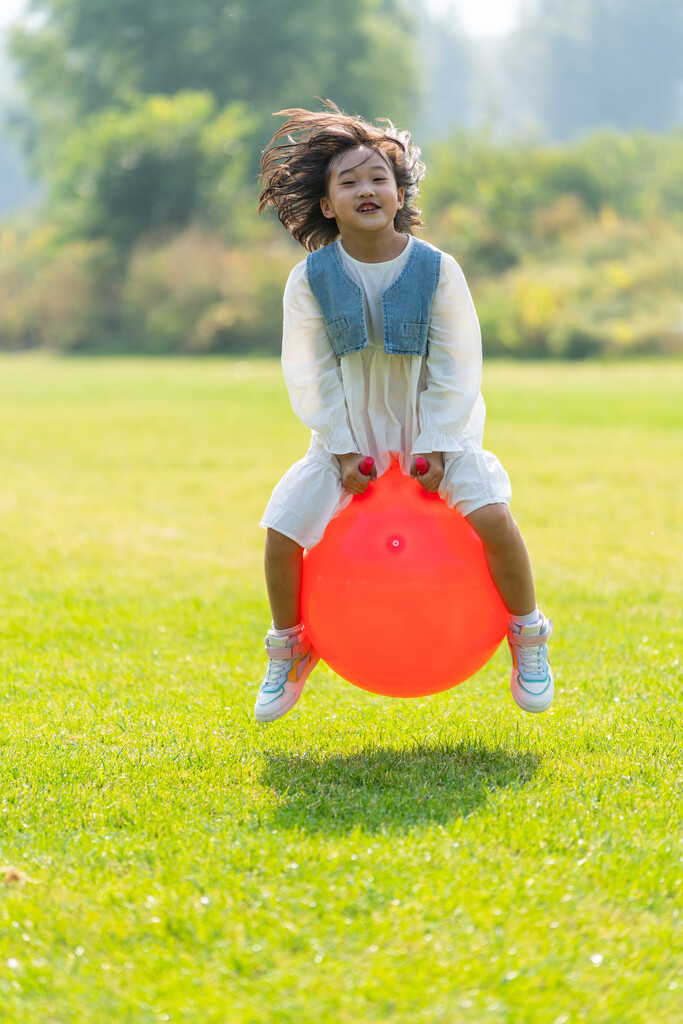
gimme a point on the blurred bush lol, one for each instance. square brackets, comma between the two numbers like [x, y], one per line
[570, 252]
[193, 292]
[60, 297]
[590, 301]
[196, 294]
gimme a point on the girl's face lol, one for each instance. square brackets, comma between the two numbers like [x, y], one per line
[362, 195]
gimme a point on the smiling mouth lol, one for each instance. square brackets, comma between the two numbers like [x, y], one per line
[368, 208]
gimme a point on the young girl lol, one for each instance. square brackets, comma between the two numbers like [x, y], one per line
[382, 356]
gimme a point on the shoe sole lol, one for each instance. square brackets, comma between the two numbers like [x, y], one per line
[531, 702]
[262, 715]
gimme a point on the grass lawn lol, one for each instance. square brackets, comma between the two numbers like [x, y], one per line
[365, 859]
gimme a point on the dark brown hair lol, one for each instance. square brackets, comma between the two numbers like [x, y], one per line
[295, 168]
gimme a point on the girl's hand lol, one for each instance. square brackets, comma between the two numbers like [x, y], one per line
[353, 480]
[431, 480]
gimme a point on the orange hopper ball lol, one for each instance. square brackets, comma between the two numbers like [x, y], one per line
[397, 597]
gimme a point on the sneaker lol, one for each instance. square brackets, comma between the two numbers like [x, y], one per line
[290, 662]
[532, 678]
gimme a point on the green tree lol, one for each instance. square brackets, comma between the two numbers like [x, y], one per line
[602, 63]
[78, 56]
[152, 168]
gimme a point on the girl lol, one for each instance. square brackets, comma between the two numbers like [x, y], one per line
[382, 356]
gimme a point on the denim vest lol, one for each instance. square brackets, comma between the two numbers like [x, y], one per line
[405, 304]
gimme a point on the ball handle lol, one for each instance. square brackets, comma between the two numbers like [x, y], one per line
[421, 465]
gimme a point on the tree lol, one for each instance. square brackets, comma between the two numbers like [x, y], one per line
[152, 168]
[79, 56]
[447, 67]
[603, 63]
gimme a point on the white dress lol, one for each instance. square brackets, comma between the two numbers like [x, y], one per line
[386, 406]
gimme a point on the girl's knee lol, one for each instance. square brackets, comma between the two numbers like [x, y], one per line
[493, 523]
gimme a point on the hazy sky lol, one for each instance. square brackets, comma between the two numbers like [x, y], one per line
[479, 17]
[483, 17]
[9, 9]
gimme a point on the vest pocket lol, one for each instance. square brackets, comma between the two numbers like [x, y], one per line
[336, 328]
[345, 336]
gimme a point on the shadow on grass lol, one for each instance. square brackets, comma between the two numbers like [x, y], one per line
[389, 789]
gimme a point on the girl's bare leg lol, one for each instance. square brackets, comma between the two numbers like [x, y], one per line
[506, 556]
[283, 565]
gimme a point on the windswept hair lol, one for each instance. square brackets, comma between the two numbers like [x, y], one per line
[295, 169]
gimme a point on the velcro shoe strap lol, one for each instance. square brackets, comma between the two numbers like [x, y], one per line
[282, 653]
[531, 639]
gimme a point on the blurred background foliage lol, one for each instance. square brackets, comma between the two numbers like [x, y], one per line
[554, 154]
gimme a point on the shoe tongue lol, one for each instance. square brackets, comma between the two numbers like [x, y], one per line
[532, 630]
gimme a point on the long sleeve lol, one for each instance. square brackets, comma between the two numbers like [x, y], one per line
[311, 369]
[454, 364]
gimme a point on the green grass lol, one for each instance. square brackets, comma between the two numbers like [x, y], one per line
[364, 859]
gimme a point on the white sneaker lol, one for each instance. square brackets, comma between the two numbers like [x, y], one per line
[290, 662]
[532, 678]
